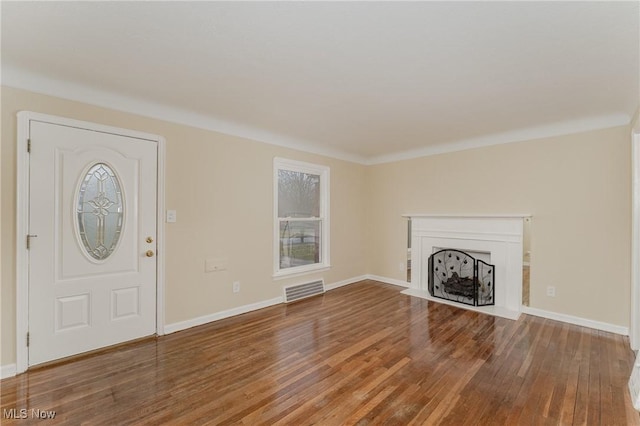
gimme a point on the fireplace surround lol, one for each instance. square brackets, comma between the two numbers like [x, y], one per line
[501, 236]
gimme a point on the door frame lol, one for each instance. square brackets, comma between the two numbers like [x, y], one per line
[634, 326]
[22, 222]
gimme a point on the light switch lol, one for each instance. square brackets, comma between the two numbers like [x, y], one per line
[171, 216]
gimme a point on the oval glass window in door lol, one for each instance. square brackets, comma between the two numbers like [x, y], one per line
[100, 211]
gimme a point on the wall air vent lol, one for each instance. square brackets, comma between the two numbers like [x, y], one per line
[302, 291]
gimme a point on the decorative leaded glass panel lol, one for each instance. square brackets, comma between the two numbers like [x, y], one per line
[100, 211]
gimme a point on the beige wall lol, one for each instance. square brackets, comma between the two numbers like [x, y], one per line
[221, 187]
[577, 187]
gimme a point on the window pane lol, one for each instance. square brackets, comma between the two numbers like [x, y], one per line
[299, 243]
[298, 194]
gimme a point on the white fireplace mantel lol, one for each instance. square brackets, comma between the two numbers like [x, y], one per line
[458, 215]
[501, 235]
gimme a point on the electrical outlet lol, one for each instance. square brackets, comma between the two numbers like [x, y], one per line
[401, 267]
[236, 286]
[551, 291]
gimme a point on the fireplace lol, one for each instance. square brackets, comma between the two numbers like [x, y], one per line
[493, 244]
[456, 275]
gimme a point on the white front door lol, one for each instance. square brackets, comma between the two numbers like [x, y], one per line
[92, 221]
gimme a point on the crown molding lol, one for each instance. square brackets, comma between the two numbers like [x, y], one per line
[532, 133]
[30, 81]
[33, 82]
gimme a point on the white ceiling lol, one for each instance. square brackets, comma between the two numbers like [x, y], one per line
[364, 81]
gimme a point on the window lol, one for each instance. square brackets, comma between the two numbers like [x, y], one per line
[301, 207]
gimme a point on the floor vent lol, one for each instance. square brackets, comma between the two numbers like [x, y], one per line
[301, 291]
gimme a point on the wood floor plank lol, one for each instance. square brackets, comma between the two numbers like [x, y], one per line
[361, 354]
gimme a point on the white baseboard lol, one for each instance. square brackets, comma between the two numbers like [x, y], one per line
[386, 280]
[183, 325]
[584, 322]
[611, 328]
[8, 370]
[342, 283]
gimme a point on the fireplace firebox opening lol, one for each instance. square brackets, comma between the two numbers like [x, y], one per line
[457, 276]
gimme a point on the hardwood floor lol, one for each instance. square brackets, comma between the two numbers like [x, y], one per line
[361, 354]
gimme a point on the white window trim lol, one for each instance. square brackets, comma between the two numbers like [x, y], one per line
[323, 172]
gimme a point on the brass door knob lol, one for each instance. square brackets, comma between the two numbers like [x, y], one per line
[149, 240]
[149, 253]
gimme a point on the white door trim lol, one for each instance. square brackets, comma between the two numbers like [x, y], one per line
[634, 326]
[22, 222]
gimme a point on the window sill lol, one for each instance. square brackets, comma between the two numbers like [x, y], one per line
[280, 275]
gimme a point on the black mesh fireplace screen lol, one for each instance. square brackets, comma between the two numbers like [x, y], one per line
[457, 276]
